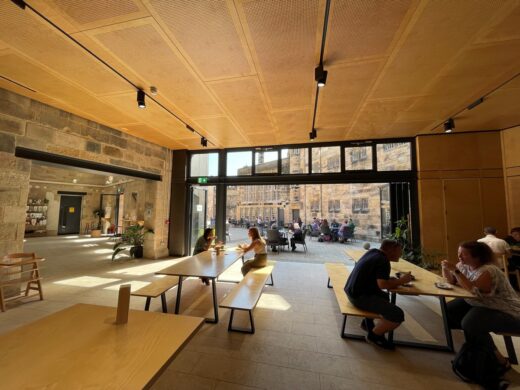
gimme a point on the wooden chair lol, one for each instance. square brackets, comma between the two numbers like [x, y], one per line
[13, 272]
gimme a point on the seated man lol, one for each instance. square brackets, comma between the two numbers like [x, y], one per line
[514, 242]
[364, 290]
[497, 245]
[297, 236]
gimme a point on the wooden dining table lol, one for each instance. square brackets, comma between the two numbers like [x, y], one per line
[424, 284]
[206, 264]
[82, 348]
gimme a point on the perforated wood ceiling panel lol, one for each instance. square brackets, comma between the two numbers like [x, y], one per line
[364, 28]
[244, 101]
[283, 35]
[86, 12]
[145, 50]
[206, 31]
[30, 35]
[242, 72]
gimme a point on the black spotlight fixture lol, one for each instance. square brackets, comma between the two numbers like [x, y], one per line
[204, 142]
[140, 99]
[320, 75]
[19, 3]
[190, 128]
[449, 125]
[313, 135]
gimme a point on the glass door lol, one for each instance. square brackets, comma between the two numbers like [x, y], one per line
[202, 211]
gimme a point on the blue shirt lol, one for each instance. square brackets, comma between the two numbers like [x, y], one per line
[373, 265]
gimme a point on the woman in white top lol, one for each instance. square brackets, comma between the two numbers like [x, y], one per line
[258, 246]
[496, 306]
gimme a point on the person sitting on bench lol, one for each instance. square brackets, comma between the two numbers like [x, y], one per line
[258, 246]
[496, 306]
[364, 290]
[203, 244]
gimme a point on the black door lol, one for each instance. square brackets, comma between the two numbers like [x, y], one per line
[70, 215]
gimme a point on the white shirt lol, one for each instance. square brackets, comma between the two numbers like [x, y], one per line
[497, 245]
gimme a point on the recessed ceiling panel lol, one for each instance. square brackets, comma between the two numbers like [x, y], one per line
[360, 29]
[506, 28]
[27, 33]
[207, 33]
[153, 115]
[291, 121]
[439, 33]
[151, 135]
[284, 39]
[143, 49]
[345, 89]
[221, 129]
[244, 101]
[72, 98]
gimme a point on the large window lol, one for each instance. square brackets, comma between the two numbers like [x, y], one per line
[295, 161]
[358, 158]
[326, 159]
[239, 163]
[204, 164]
[266, 161]
[394, 156]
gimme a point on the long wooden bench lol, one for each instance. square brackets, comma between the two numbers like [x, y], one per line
[246, 294]
[156, 288]
[338, 275]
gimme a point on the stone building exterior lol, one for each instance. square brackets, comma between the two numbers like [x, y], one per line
[28, 123]
[368, 204]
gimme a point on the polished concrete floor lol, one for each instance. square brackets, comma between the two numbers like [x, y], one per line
[296, 344]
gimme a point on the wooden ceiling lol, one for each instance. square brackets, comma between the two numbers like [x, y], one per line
[242, 72]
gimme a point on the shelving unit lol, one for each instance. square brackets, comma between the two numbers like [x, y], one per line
[36, 218]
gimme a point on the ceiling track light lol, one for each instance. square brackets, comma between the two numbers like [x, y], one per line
[313, 134]
[204, 142]
[140, 99]
[19, 3]
[320, 75]
[475, 103]
[449, 125]
[190, 128]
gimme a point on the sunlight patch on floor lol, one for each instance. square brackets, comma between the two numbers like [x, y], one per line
[102, 251]
[86, 281]
[273, 301]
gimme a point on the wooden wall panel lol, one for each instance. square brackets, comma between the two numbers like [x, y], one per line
[431, 210]
[463, 213]
[494, 212]
[511, 150]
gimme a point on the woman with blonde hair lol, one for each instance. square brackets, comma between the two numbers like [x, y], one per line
[258, 246]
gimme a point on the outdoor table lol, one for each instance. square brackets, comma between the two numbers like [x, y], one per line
[81, 347]
[203, 265]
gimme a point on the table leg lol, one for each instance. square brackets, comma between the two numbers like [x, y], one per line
[393, 298]
[163, 302]
[178, 299]
[215, 306]
[447, 330]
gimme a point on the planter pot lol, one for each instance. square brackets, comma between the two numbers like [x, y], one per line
[138, 252]
[95, 233]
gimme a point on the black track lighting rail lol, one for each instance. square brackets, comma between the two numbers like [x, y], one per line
[477, 102]
[312, 134]
[23, 5]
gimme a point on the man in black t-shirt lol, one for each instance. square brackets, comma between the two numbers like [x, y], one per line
[365, 286]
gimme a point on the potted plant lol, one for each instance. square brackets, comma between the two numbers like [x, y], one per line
[133, 239]
[99, 213]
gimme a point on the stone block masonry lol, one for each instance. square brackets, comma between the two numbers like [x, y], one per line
[28, 123]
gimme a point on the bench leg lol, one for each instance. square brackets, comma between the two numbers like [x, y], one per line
[163, 302]
[230, 325]
[178, 299]
[510, 350]
[328, 283]
[147, 304]
[272, 281]
[349, 335]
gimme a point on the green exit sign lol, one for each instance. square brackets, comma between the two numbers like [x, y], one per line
[202, 180]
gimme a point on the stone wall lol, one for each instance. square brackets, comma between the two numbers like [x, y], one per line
[31, 124]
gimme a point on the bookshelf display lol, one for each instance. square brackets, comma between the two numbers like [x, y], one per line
[36, 218]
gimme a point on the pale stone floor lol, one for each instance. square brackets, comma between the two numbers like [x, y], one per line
[296, 344]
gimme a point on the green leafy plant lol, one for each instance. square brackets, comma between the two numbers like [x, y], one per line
[132, 239]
